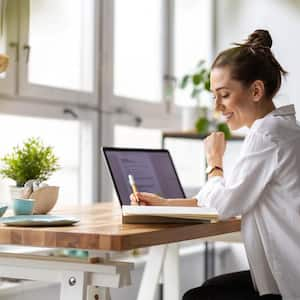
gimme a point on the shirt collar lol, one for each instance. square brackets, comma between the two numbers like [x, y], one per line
[286, 110]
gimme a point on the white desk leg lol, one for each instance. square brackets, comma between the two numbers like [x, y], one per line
[171, 287]
[99, 293]
[152, 272]
[73, 286]
[96, 292]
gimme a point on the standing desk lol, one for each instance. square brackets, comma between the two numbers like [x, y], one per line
[101, 232]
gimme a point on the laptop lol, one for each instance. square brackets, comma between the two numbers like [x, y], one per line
[153, 171]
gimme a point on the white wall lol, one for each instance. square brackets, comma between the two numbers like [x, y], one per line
[236, 19]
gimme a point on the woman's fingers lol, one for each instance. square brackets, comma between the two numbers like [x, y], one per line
[215, 145]
[135, 200]
[144, 198]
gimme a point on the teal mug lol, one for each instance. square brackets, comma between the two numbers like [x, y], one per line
[23, 206]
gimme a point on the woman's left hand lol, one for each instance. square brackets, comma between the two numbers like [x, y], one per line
[214, 146]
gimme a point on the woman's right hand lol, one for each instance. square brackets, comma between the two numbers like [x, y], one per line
[144, 198]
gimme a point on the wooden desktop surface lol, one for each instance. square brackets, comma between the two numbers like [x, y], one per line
[101, 228]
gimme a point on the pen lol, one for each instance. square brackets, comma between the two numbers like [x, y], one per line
[133, 186]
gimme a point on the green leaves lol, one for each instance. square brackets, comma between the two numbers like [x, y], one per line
[199, 80]
[202, 125]
[225, 129]
[32, 161]
[184, 81]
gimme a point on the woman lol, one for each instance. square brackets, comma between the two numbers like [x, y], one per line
[264, 186]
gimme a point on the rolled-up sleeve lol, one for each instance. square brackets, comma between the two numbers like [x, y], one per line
[238, 193]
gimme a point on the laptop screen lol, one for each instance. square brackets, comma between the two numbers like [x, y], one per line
[153, 172]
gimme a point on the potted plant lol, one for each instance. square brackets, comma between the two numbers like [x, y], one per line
[33, 161]
[199, 82]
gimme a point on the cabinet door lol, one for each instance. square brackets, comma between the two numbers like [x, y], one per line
[9, 44]
[58, 50]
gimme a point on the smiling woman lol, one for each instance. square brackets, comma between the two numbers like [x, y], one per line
[264, 184]
[244, 79]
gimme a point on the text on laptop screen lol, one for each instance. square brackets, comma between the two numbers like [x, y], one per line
[153, 172]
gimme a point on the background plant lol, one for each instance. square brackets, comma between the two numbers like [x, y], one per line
[198, 80]
[33, 160]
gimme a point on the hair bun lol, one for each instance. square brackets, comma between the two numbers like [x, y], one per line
[259, 38]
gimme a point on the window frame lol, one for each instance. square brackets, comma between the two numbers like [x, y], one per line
[155, 115]
[27, 89]
[8, 84]
[18, 98]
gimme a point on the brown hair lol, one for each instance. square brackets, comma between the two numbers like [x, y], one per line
[253, 60]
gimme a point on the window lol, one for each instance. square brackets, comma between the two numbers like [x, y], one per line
[52, 45]
[67, 178]
[50, 88]
[61, 39]
[193, 39]
[138, 42]
[141, 58]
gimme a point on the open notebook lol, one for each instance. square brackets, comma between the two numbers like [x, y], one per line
[168, 214]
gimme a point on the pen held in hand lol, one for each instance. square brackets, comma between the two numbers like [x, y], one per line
[133, 187]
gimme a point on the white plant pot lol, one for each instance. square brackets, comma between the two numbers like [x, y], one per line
[16, 192]
[189, 116]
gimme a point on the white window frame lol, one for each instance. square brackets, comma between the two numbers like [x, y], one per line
[163, 111]
[8, 84]
[21, 99]
[17, 42]
[155, 115]
[87, 185]
[164, 115]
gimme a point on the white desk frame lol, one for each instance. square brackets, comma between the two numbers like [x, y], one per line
[83, 280]
[79, 280]
[163, 263]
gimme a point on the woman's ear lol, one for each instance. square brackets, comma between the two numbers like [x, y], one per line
[257, 90]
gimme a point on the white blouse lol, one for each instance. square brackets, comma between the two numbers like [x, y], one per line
[264, 187]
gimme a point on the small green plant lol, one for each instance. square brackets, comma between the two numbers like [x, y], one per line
[33, 160]
[199, 80]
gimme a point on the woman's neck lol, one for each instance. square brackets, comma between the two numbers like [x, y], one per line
[263, 110]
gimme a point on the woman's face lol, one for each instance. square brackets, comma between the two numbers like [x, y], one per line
[232, 99]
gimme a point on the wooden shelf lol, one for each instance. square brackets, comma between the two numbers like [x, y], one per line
[194, 135]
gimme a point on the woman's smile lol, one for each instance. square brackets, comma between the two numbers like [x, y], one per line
[227, 116]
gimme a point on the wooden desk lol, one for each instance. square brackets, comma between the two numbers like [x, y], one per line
[100, 228]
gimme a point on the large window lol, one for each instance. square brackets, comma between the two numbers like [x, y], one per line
[51, 87]
[147, 44]
[61, 39]
[192, 41]
[56, 51]
[138, 40]
[17, 129]
[52, 46]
